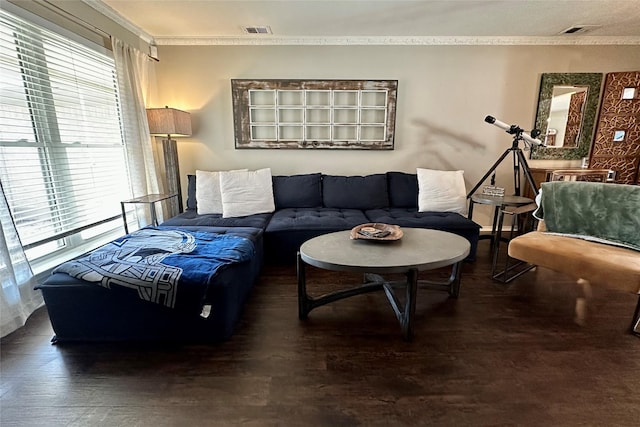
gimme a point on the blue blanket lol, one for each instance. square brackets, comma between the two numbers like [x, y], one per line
[170, 267]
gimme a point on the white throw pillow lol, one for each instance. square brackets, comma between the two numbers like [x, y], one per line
[208, 197]
[441, 191]
[246, 193]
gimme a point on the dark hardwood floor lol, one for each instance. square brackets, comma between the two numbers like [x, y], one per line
[499, 355]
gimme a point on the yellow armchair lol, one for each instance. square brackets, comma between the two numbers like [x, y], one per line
[590, 262]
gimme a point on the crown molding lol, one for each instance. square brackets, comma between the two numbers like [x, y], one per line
[564, 40]
[110, 13]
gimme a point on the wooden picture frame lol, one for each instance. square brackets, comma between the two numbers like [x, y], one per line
[315, 114]
[585, 130]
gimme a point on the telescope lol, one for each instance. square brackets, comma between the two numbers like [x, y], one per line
[519, 161]
[516, 130]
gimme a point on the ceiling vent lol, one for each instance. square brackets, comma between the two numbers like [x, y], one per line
[579, 29]
[257, 29]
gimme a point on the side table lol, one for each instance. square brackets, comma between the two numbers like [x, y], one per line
[512, 268]
[150, 200]
[499, 203]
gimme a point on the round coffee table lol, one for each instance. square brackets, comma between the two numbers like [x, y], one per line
[418, 250]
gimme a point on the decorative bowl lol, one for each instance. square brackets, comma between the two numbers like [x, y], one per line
[376, 231]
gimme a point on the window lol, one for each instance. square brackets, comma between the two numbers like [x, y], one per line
[62, 161]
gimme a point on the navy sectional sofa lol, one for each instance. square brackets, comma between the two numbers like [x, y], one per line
[306, 206]
[309, 205]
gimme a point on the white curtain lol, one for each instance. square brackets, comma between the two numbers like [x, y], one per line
[18, 299]
[133, 68]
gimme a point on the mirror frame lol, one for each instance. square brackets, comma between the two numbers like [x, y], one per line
[594, 82]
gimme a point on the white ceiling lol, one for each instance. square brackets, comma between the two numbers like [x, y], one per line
[379, 21]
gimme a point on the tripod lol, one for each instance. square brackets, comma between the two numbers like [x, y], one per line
[519, 161]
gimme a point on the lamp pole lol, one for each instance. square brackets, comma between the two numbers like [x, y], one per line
[172, 168]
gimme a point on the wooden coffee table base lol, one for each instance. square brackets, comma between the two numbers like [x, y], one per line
[375, 282]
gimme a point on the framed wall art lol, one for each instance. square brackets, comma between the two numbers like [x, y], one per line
[316, 114]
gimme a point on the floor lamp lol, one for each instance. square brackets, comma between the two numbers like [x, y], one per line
[170, 122]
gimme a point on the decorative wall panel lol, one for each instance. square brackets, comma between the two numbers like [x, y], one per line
[342, 114]
[617, 141]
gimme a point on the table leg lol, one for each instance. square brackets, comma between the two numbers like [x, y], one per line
[454, 280]
[470, 216]
[409, 312]
[512, 268]
[306, 303]
[405, 312]
[494, 225]
[451, 285]
[303, 298]
[496, 243]
[124, 218]
[154, 216]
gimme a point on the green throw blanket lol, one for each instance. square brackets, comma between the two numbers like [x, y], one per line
[592, 210]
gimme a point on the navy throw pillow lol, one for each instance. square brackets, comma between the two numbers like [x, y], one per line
[191, 193]
[355, 192]
[403, 189]
[298, 191]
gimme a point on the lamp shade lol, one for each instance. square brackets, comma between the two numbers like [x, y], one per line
[169, 121]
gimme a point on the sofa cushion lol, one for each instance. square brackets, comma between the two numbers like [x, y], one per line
[445, 221]
[403, 189]
[192, 205]
[290, 228]
[412, 218]
[246, 192]
[298, 191]
[441, 191]
[191, 218]
[208, 196]
[207, 192]
[355, 192]
[326, 219]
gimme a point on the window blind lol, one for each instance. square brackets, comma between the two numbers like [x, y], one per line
[62, 161]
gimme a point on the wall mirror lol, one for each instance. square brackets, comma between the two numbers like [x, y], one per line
[566, 116]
